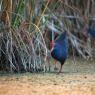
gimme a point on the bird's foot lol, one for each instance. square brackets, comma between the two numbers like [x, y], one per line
[58, 73]
[55, 68]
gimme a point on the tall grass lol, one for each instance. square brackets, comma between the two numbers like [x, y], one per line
[23, 44]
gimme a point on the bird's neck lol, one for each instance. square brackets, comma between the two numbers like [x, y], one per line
[52, 45]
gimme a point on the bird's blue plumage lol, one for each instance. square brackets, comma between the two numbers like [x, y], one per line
[60, 51]
[91, 32]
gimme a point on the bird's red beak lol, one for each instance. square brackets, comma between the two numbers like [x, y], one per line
[52, 45]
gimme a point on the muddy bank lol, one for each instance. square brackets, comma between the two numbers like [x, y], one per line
[76, 79]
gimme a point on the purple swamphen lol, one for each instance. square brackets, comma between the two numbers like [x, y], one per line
[90, 32]
[60, 49]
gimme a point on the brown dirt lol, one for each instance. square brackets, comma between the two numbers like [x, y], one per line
[71, 82]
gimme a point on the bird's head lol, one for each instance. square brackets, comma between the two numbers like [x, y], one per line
[52, 45]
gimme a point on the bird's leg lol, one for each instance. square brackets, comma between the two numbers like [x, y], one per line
[61, 68]
[55, 62]
[49, 66]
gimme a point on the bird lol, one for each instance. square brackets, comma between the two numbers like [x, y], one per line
[59, 49]
[90, 32]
